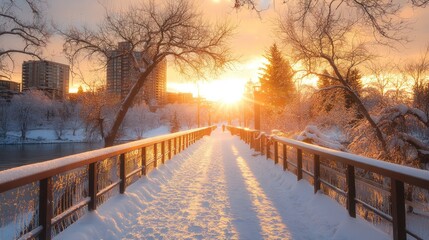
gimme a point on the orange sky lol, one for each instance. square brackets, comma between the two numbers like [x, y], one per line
[253, 36]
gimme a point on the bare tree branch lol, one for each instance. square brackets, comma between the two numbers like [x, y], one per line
[28, 34]
[172, 29]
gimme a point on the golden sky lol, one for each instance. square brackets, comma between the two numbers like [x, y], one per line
[254, 34]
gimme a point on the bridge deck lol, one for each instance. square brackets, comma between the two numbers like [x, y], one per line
[217, 189]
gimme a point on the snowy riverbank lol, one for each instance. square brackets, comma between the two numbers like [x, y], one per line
[46, 136]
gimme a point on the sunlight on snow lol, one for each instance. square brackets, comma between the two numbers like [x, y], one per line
[270, 220]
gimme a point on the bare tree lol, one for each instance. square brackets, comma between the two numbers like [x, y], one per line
[326, 39]
[417, 71]
[172, 29]
[382, 78]
[96, 111]
[382, 16]
[22, 26]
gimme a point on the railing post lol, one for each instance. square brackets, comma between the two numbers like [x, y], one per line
[351, 191]
[180, 144]
[46, 207]
[122, 173]
[92, 188]
[163, 152]
[155, 156]
[398, 209]
[316, 167]
[299, 164]
[284, 157]
[276, 152]
[263, 144]
[144, 161]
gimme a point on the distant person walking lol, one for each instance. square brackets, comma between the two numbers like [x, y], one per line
[223, 128]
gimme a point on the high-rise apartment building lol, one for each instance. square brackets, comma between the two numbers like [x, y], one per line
[121, 75]
[8, 89]
[50, 77]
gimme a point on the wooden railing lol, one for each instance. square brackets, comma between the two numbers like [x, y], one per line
[40, 200]
[374, 189]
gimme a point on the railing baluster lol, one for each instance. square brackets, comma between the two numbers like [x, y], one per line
[144, 161]
[169, 149]
[351, 190]
[398, 209]
[122, 173]
[46, 202]
[299, 164]
[155, 156]
[284, 157]
[92, 186]
[267, 148]
[316, 167]
[276, 152]
[163, 152]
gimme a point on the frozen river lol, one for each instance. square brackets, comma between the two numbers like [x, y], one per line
[22, 154]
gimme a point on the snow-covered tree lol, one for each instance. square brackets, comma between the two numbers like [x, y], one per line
[174, 123]
[28, 110]
[277, 87]
[5, 114]
[328, 38]
[140, 119]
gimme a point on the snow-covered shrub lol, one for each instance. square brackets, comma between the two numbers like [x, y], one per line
[405, 130]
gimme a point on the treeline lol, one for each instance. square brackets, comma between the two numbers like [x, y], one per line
[91, 113]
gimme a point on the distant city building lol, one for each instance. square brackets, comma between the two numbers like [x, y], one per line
[121, 75]
[181, 98]
[50, 77]
[8, 89]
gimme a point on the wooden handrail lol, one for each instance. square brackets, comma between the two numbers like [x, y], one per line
[19, 176]
[398, 174]
[44, 172]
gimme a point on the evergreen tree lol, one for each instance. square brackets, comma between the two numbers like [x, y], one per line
[277, 86]
[339, 95]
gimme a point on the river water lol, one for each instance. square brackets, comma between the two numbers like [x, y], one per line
[22, 154]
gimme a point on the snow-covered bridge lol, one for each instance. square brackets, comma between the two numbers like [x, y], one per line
[217, 188]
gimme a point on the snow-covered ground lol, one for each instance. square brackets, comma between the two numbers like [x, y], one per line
[218, 189]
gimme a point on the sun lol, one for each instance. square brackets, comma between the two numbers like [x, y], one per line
[226, 91]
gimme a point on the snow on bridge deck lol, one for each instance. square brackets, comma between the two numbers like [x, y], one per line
[217, 189]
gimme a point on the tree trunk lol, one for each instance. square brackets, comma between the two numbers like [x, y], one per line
[125, 105]
[361, 107]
